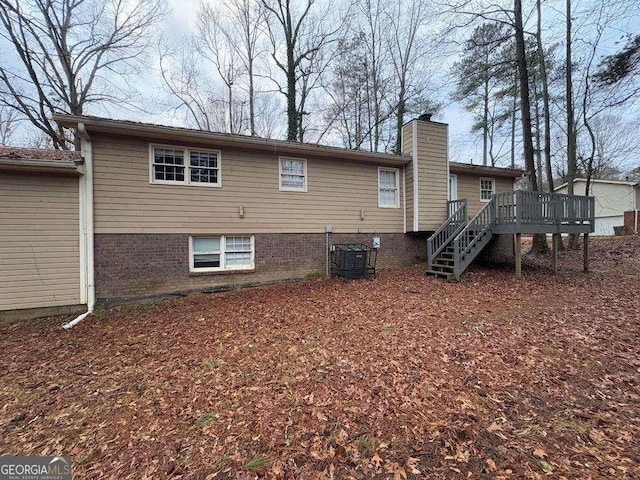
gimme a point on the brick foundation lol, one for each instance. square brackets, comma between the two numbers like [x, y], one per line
[629, 220]
[136, 265]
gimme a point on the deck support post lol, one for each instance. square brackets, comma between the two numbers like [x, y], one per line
[585, 253]
[554, 251]
[518, 252]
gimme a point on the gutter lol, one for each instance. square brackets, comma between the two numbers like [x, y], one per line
[87, 272]
[179, 134]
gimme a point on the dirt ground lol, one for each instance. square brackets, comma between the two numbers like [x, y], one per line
[402, 376]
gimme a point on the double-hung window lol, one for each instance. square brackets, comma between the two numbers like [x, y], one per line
[487, 189]
[293, 174]
[388, 189]
[184, 166]
[220, 253]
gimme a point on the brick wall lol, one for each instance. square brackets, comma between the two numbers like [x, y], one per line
[629, 220]
[135, 265]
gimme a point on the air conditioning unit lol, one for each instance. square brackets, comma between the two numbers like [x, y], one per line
[353, 260]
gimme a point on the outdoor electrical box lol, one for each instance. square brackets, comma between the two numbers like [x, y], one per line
[353, 260]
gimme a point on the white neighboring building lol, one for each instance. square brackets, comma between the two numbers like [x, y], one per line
[613, 198]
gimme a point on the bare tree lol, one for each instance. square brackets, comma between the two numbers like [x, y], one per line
[299, 36]
[8, 121]
[614, 148]
[67, 54]
[216, 41]
[249, 15]
[187, 83]
[408, 49]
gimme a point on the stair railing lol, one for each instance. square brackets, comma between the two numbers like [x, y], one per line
[448, 230]
[470, 235]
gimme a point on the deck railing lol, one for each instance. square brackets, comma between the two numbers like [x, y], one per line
[522, 207]
[449, 229]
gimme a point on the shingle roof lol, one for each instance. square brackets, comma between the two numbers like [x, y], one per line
[38, 159]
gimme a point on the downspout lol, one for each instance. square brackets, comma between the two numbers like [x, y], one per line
[87, 272]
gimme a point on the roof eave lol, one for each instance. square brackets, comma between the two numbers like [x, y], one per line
[142, 130]
[455, 167]
[38, 166]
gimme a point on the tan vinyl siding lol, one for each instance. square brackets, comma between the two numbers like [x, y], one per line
[469, 189]
[125, 201]
[39, 237]
[432, 174]
[407, 148]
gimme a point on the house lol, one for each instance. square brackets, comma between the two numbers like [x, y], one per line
[148, 210]
[612, 199]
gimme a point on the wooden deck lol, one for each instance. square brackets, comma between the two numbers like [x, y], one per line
[458, 241]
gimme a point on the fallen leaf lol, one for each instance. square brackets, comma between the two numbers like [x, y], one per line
[412, 465]
[538, 452]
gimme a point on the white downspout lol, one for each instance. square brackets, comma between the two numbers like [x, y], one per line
[87, 273]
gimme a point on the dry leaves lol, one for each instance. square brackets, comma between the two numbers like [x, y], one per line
[398, 377]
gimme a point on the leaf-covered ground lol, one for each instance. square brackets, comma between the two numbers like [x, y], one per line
[402, 376]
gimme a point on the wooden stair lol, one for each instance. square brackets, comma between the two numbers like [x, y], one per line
[443, 264]
[462, 244]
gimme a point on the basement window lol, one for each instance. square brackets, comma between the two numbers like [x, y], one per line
[388, 190]
[487, 189]
[184, 166]
[222, 253]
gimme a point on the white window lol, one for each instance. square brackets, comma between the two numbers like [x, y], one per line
[213, 254]
[487, 189]
[293, 174]
[388, 196]
[185, 166]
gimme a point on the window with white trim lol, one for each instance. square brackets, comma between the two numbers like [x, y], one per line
[213, 254]
[388, 189]
[487, 189]
[184, 166]
[293, 174]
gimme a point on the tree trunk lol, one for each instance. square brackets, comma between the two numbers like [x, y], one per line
[400, 118]
[252, 111]
[539, 244]
[513, 122]
[538, 149]
[485, 119]
[292, 111]
[545, 100]
[571, 130]
[230, 87]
